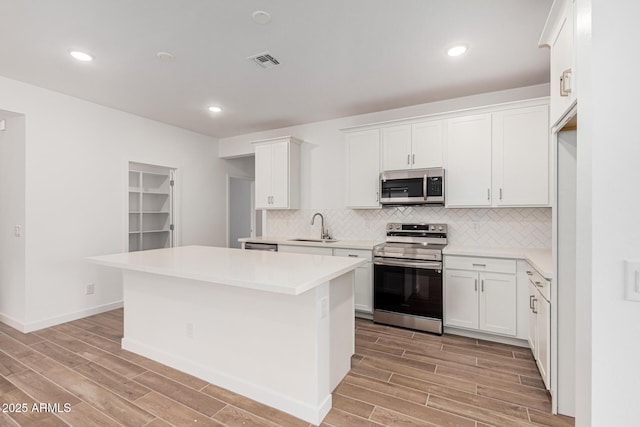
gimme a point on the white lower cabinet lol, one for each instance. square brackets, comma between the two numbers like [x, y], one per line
[481, 297]
[363, 283]
[363, 286]
[311, 250]
[540, 323]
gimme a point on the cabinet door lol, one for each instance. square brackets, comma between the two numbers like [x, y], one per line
[363, 288]
[543, 328]
[280, 175]
[521, 156]
[461, 299]
[533, 321]
[363, 169]
[561, 60]
[396, 148]
[263, 177]
[468, 180]
[426, 144]
[498, 303]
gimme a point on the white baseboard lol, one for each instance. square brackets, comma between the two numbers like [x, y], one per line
[52, 321]
[8, 320]
[299, 409]
[487, 337]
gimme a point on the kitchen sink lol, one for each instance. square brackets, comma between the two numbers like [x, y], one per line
[314, 240]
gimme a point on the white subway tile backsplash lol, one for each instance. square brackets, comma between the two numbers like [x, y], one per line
[512, 227]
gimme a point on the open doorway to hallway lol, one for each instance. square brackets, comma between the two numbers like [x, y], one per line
[241, 210]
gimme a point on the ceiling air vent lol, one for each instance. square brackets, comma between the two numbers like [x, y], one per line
[265, 60]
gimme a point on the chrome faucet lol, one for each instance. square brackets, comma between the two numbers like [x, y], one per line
[324, 234]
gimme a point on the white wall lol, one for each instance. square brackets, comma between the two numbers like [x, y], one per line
[12, 248]
[608, 208]
[76, 181]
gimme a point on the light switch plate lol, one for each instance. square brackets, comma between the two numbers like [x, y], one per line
[632, 280]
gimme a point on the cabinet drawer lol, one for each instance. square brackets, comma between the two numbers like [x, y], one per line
[356, 253]
[312, 250]
[542, 284]
[496, 265]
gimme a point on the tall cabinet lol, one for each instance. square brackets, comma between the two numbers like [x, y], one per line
[151, 194]
[363, 169]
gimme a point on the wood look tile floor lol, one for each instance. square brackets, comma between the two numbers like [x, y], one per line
[399, 378]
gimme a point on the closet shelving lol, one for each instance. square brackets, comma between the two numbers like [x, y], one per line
[150, 207]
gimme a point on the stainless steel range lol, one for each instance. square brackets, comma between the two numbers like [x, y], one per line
[408, 276]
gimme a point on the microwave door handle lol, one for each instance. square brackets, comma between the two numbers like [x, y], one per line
[424, 186]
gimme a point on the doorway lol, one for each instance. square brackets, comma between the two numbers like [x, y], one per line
[241, 210]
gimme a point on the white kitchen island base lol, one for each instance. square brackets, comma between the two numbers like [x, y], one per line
[288, 351]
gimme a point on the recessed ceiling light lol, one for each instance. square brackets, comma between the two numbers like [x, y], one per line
[165, 56]
[261, 17]
[81, 56]
[215, 109]
[457, 50]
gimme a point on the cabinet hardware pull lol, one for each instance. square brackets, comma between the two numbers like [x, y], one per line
[408, 159]
[565, 82]
[413, 159]
[501, 194]
[488, 194]
[529, 273]
[353, 256]
[377, 196]
[476, 285]
[534, 305]
[482, 285]
[531, 301]
[479, 265]
[538, 284]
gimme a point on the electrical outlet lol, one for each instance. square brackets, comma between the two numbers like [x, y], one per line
[17, 230]
[91, 288]
[190, 330]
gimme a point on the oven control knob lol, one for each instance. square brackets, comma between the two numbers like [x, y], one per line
[433, 227]
[440, 228]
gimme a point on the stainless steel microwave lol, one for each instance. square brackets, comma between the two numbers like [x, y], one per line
[412, 187]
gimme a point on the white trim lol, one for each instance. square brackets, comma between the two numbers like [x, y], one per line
[454, 113]
[253, 391]
[52, 321]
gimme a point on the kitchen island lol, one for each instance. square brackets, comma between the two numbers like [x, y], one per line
[275, 327]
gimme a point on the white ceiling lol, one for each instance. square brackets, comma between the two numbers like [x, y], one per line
[338, 57]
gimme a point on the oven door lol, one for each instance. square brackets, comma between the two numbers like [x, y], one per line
[412, 289]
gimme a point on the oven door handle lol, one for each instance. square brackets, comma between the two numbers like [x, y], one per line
[414, 264]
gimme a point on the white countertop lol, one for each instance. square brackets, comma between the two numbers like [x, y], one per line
[540, 259]
[340, 244]
[276, 272]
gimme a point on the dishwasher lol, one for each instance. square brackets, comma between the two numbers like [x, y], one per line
[252, 246]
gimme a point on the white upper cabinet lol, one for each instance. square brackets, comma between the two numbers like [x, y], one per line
[468, 180]
[499, 159]
[396, 148]
[558, 35]
[412, 146]
[278, 174]
[363, 169]
[520, 152]
[427, 140]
